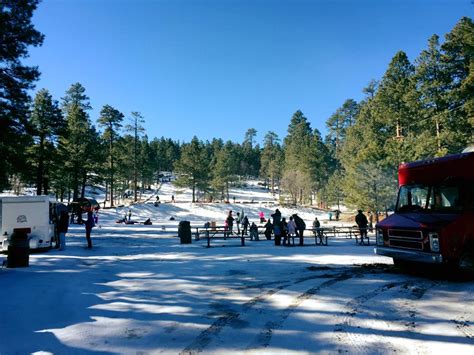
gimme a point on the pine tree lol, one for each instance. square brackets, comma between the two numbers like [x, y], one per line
[271, 159]
[47, 123]
[296, 174]
[111, 119]
[458, 61]
[192, 167]
[225, 169]
[136, 129]
[16, 34]
[74, 144]
[338, 123]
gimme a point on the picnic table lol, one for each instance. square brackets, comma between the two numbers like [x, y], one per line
[221, 232]
[321, 235]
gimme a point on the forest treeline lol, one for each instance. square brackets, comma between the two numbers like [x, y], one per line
[418, 109]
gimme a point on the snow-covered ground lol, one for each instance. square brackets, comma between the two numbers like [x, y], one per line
[140, 291]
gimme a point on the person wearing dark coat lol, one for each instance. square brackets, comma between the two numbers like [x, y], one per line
[362, 223]
[268, 230]
[276, 217]
[63, 225]
[253, 231]
[300, 226]
[284, 230]
[317, 230]
[230, 223]
[89, 224]
[277, 226]
[245, 225]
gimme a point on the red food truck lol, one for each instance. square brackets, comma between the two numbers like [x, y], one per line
[434, 215]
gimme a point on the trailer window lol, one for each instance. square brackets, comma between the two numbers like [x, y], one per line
[412, 197]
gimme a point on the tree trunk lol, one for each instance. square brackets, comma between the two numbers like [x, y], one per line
[84, 180]
[438, 139]
[40, 172]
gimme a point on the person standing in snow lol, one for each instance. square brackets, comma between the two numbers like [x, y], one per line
[284, 230]
[237, 222]
[268, 230]
[277, 226]
[230, 223]
[63, 225]
[317, 230]
[291, 231]
[300, 227]
[129, 215]
[262, 217]
[245, 224]
[89, 224]
[362, 223]
[253, 231]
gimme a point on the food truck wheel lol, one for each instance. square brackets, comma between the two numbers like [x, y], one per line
[401, 263]
[466, 263]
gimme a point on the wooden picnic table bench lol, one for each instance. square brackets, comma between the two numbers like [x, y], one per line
[349, 232]
[220, 232]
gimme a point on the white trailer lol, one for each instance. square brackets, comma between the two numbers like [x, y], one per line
[34, 212]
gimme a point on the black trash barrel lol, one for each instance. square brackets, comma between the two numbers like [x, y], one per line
[184, 232]
[19, 248]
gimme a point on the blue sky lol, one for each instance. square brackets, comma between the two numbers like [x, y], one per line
[215, 68]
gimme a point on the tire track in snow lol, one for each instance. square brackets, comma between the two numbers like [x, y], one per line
[463, 324]
[263, 339]
[206, 336]
[357, 341]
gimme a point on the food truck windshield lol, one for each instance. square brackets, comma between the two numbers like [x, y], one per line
[429, 198]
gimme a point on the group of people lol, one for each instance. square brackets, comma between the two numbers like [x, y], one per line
[283, 230]
[279, 226]
[62, 226]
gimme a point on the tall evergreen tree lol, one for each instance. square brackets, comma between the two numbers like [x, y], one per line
[47, 123]
[429, 100]
[296, 175]
[135, 128]
[111, 119]
[75, 143]
[458, 60]
[17, 33]
[338, 123]
[225, 169]
[192, 167]
[271, 158]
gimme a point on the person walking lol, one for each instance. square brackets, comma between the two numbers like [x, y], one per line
[89, 224]
[291, 231]
[268, 230]
[362, 223]
[63, 225]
